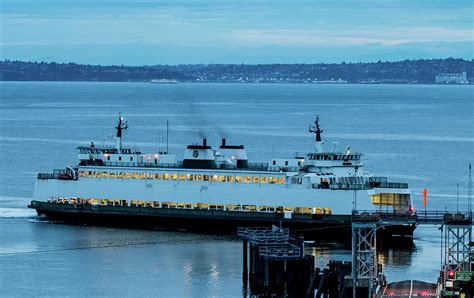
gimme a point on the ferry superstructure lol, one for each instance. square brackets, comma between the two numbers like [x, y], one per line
[218, 186]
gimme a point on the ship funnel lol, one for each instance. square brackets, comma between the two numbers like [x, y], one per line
[199, 157]
[235, 154]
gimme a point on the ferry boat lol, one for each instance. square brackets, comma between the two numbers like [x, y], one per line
[163, 81]
[220, 189]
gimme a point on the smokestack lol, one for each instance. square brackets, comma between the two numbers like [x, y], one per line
[204, 142]
[223, 142]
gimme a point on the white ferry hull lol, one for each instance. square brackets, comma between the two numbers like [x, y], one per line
[339, 201]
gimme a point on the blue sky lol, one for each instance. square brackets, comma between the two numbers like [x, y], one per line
[137, 32]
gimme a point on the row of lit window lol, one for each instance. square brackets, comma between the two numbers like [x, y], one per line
[390, 199]
[189, 205]
[187, 177]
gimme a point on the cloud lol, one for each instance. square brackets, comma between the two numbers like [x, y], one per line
[382, 36]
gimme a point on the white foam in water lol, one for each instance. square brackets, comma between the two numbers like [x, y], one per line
[16, 212]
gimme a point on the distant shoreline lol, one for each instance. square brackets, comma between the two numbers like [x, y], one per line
[247, 83]
[413, 72]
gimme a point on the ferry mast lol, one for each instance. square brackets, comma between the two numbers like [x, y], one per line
[317, 131]
[120, 127]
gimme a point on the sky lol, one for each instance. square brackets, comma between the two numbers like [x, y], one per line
[146, 32]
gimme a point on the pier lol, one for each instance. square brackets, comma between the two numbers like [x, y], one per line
[278, 265]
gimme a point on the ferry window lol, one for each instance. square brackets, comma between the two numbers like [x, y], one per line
[189, 177]
[281, 180]
[120, 158]
[149, 176]
[272, 180]
[238, 179]
[134, 175]
[214, 178]
[198, 177]
[182, 176]
[156, 160]
[142, 175]
[158, 175]
[230, 178]
[222, 178]
[127, 175]
[112, 175]
[96, 174]
[255, 179]
[131, 158]
[274, 162]
[166, 176]
[246, 179]
[205, 177]
[119, 175]
[174, 176]
[263, 179]
[286, 162]
[88, 173]
[81, 173]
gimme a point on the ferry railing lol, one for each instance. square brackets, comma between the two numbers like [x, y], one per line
[47, 176]
[424, 216]
[251, 166]
[344, 186]
[369, 185]
[382, 215]
[444, 216]
[142, 164]
[388, 185]
[56, 174]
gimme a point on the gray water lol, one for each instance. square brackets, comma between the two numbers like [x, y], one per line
[423, 135]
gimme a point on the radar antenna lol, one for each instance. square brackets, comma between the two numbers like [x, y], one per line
[122, 125]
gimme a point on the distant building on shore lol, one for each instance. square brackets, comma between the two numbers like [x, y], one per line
[451, 78]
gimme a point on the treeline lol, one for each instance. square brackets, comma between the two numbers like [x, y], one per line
[43, 71]
[422, 71]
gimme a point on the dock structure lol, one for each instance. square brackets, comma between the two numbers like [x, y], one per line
[274, 264]
[457, 273]
[276, 261]
[365, 268]
[278, 265]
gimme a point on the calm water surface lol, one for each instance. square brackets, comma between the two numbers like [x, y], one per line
[423, 135]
